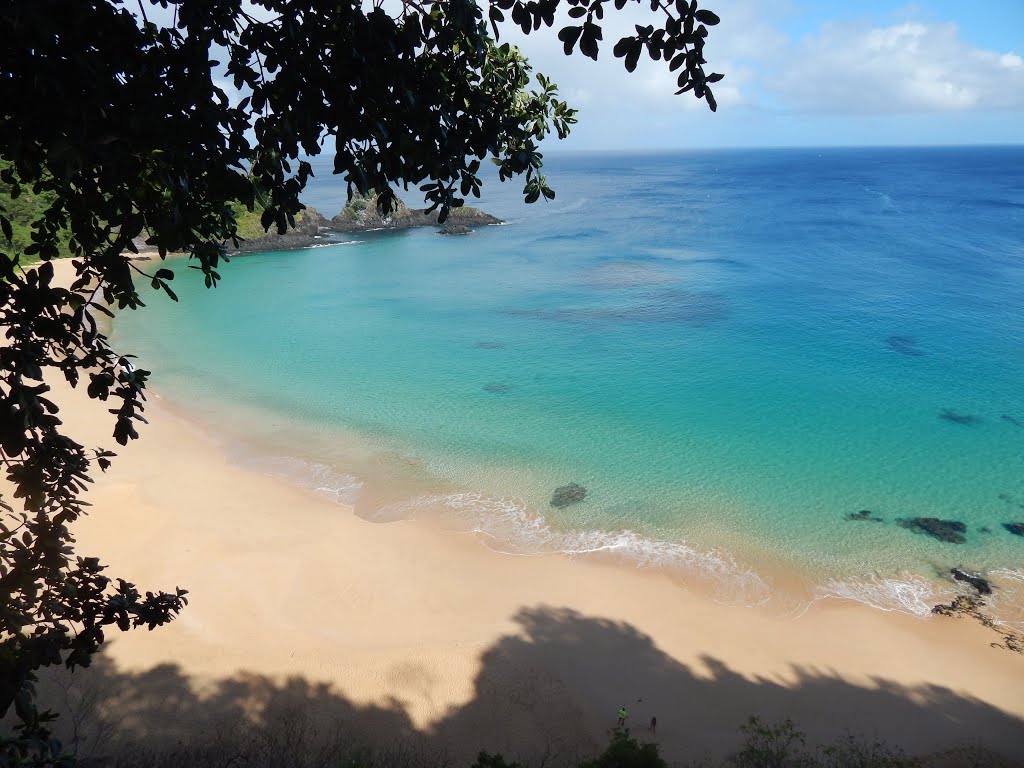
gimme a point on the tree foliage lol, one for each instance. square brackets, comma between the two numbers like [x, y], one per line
[120, 126]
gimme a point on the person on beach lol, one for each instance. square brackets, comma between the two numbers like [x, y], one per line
[654, 725]
[622, 716]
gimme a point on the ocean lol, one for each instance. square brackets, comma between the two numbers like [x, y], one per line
[761, 366]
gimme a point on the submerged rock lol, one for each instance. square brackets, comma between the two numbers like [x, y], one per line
[967, 419]
[568, 494]
[949, 531]
[454, 229]
[979, 583]
[865, 515]
[905, 345]
[1017, 529]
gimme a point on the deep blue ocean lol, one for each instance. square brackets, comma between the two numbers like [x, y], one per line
[731, 351]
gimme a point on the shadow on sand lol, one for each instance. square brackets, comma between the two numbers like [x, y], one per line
[523, 705]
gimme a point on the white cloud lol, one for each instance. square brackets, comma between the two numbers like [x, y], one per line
[604, 86]
[904, 68]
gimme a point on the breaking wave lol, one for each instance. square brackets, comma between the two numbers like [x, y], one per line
[906, 593]
[509, 527]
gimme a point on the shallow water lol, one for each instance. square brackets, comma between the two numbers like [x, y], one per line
[731, 351]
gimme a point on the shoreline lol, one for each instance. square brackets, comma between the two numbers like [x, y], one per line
[509, 527]
[470, 649]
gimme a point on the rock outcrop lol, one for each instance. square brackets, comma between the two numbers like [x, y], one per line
[308, 229]
[978, 582]
[361, 215]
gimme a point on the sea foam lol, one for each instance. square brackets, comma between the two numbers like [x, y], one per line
[509, 526]
[905, 593]
[322, 479]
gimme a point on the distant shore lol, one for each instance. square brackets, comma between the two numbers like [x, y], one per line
[418, 632]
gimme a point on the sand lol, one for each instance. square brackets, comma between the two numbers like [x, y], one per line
[401, 630]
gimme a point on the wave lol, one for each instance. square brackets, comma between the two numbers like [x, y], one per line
[1007, 600]
[509, 527]
[906, 593]
[322, 479]
[917, 595]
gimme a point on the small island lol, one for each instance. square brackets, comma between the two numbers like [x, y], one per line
[360, 214]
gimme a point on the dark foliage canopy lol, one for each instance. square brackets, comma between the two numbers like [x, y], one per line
[117, 125]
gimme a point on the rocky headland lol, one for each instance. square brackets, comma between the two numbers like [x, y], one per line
[359, 215]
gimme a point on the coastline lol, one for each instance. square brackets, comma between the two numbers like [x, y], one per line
[475, 649]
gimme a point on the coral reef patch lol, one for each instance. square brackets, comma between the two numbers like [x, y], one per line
[565, 495]
[949, 531]
[1017, 529]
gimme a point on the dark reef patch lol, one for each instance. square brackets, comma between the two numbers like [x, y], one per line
[949, 531]
[498, 388]
[565, 495]
[865, 515]
[966, 419]
[489, 345]
[1017, 529]
[978, 582]
[905, 345]
[669, 306]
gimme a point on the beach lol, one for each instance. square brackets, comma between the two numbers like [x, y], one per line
[403, 631]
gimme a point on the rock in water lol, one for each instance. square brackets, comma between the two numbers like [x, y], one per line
[1017, 529]
[979, 583]
[454, 229]
[905, 345]
[568, 494]
[864, 514]
[966, 419]
[950, 531]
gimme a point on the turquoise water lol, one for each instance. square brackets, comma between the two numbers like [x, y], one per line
[730, 351]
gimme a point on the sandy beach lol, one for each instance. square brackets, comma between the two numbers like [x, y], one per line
[400, 630]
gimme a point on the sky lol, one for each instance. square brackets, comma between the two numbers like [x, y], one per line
[807, 73]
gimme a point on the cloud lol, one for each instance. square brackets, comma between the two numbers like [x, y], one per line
[605, 86]
[905, 68]
[841, 67]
